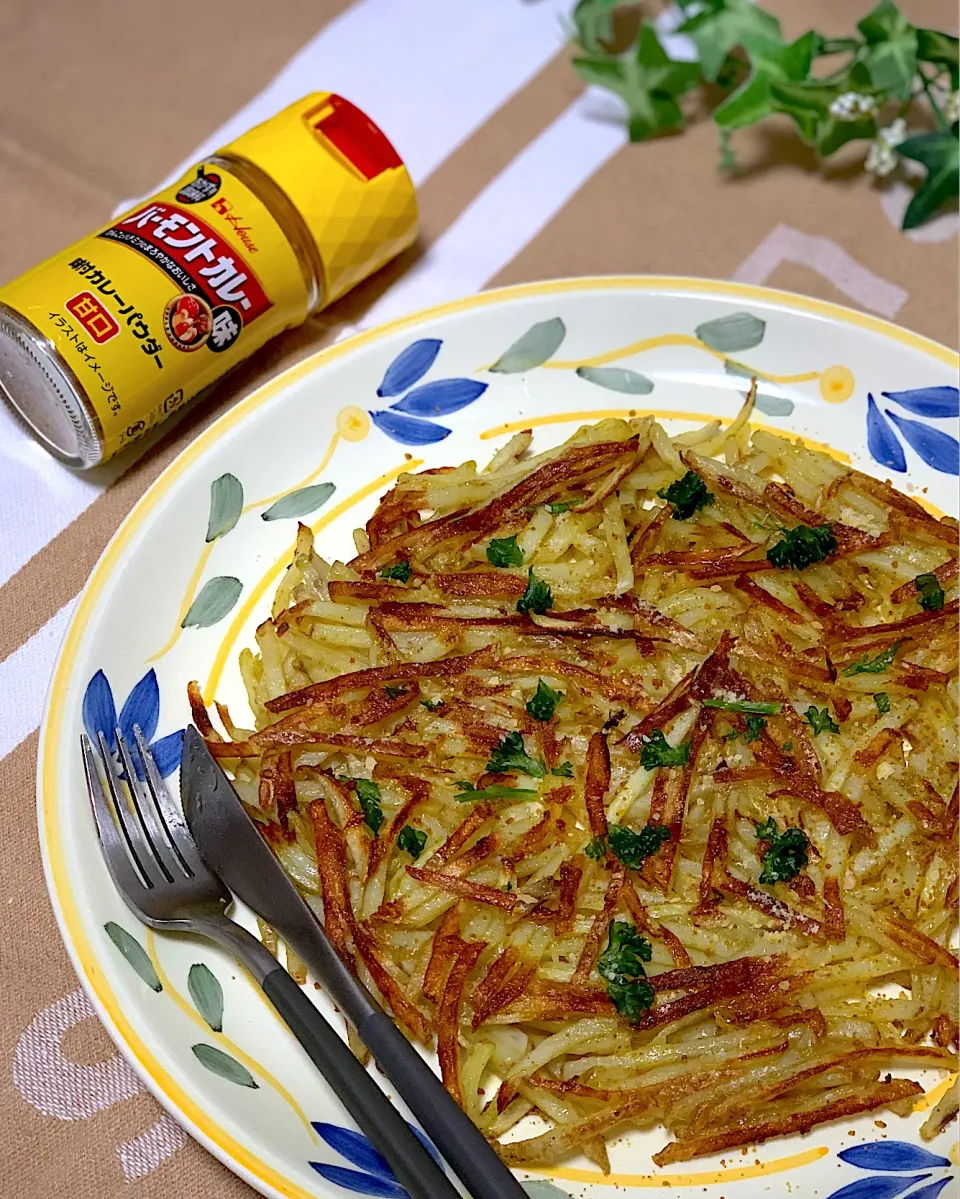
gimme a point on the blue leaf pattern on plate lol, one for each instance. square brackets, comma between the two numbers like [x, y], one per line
[880, 1186]
[360, 1184]
[374, 1176]
[427, 1144]
[937, 402]
[142, 707]
[167, 752]
[932, 1190]
[882, 442]
[410, 365]
[355, 1147]
[441, 397]
[893, 1156]
[408, 430]
[939, 450]
[99, 710]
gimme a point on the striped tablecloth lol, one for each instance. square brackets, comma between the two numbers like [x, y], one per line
[522, 174]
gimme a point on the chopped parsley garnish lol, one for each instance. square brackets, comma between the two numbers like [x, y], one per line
[802, 547]
[469, 792]
[596, 848]
[537, 598]
[543, 703]
[687, 495]
[504, 551]
[621, 965]
[877, 665]
[820, 721]
[882, 700]
[412, 840]
[930, 592]
[395, 692]
[755, 707]
[432, 704]
[788, 747]
[368, 796]
[657, 751]
[563, 771]
[401, 571]
[510, 755]
[563, 506]
[632, 848]
[755, 727]
[788, 852]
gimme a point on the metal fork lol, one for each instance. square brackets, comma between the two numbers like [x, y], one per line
[155, 864]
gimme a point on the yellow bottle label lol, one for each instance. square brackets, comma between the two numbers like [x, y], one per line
[158, 304]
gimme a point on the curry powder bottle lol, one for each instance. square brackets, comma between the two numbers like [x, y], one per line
[105, 340]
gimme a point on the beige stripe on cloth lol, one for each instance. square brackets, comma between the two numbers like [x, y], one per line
[57, 573]
[660, 208]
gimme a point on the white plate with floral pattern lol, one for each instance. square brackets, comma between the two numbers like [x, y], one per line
[180, 589]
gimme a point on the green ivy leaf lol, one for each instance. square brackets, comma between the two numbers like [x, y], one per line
[540, 342]
[135, 954]
[222, 1064]
[940, 154]
[770, 60]
[216, 598]
[940, 49]
[891, 50]
[649, 83]
[720, 29]
[617, 378]
[594, 20]
[732, 333]
[300, 502]
[207, 994]
[226, 504]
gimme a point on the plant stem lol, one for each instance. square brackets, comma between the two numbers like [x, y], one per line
[838, 45]
[937, 111]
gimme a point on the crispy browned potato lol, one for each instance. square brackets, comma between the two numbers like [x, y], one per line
[636, 827]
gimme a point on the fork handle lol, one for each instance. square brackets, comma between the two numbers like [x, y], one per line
[411, 1162]
[415, 1168]
[467, 1151]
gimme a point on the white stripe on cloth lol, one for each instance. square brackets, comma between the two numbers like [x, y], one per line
[24, 676]
[506, 215]
[461, 60]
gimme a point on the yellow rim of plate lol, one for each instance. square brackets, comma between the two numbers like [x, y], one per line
[232, 1152]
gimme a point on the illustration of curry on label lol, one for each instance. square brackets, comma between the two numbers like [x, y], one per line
[204, 187]
[317, 197]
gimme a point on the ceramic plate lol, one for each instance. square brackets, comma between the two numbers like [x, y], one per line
[321, 443]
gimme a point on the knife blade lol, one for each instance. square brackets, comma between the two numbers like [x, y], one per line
[232, 847]
[230, 844]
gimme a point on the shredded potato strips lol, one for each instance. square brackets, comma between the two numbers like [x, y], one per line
[633, 790]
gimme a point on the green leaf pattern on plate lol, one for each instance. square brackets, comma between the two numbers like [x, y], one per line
[135, 954]
[207, 994]
[540, 342]
[538, 1189]
[300, 502]
[226, 504]
[222, 1064]
[729, 334]
[216, 598]
[617, 378]
[772, 405]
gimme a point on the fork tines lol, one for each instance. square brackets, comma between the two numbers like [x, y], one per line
[137, 823]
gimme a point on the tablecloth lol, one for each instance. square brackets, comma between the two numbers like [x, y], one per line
[522, 174]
